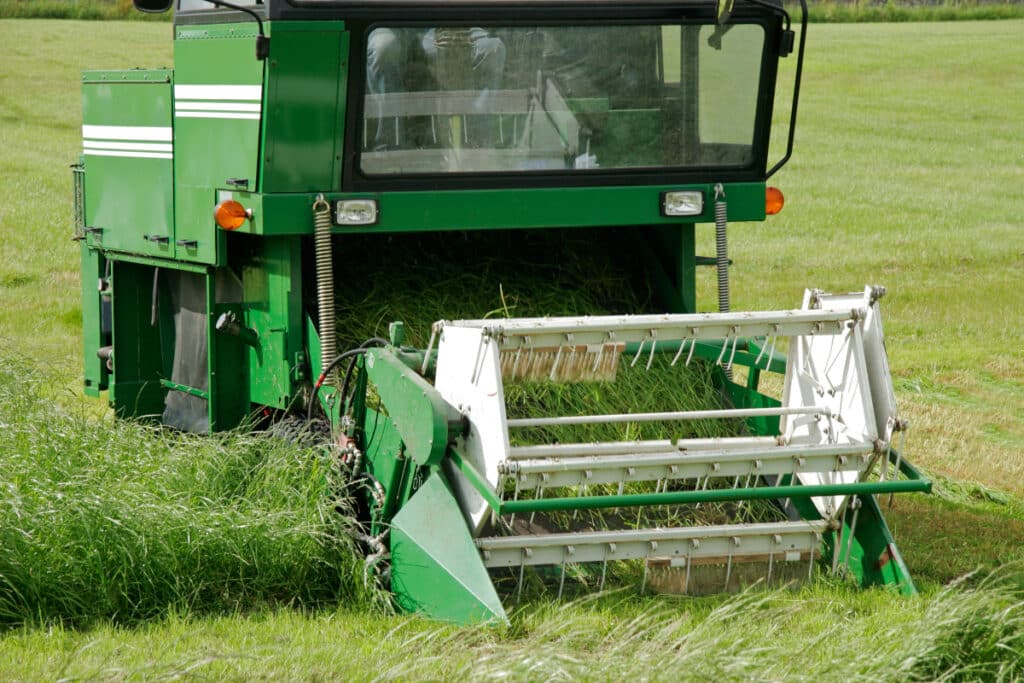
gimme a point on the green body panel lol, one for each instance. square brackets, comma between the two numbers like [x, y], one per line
[129, 190]
[474, 209]
[144, 342]
[135, 389]
[385, 462]
[216, 128]
[669, 252]
[228, 377]
[305, 114]
[93, 336]
[271, 275]
[435, 566]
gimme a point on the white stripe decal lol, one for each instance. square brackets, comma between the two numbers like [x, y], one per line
[143, 133]
[218, 92]
[216, 115]
[218, 106]
[133, 146]
[117, 153]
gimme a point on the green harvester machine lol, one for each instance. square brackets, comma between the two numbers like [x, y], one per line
[303, 154]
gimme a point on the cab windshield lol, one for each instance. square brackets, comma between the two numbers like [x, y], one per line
[571, 98]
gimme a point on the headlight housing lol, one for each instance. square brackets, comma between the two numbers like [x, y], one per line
[682, 203]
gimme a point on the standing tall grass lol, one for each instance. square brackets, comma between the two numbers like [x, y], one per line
[124, 521]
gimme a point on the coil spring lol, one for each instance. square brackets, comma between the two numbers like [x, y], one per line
[721, 250]
[324, 280]
[722, 257]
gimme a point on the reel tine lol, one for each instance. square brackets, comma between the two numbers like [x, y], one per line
[515, 496]
[573, 370]
[654, 344]
[639, 350]
[561, 581]
[478, 363]
[689, 562]
[732, 354]
[679, 352]
[810, 563]
[693, 346]
[554, 365]
[835, 550]
[515, 362]
[597, 358]
[721, 354]
[519, 584]
[728, 567]
[604, 565]
[764, 347]
[430, 347]
[538, 494]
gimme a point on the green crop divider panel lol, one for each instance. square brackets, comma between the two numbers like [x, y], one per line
[127, 144]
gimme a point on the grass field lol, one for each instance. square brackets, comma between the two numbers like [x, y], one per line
[908, 172]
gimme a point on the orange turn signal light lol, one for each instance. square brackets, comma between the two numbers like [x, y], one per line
[773, 200]
[230, 215]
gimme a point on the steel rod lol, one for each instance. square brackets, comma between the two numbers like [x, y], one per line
[672, 416]
[715, 496]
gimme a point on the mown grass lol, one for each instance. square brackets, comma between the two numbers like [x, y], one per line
[906, 173]
[823, 631]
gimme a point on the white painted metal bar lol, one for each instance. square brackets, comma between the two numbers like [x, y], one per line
[670, 416]
[726, 443]
[539, 332]
[675, 465]
[784, 540]
[569, 450]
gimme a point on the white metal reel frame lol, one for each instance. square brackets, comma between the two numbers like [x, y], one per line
[883, 395]
[469, 378]
[827, 401]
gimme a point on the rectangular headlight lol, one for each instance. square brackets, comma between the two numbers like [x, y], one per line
[355, 212]
[682, 203]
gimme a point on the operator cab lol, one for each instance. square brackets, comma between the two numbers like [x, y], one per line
[500, 94]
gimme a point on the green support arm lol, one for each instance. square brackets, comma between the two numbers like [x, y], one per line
[414, 406]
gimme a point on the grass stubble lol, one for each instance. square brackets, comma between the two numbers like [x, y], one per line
[263, 594]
